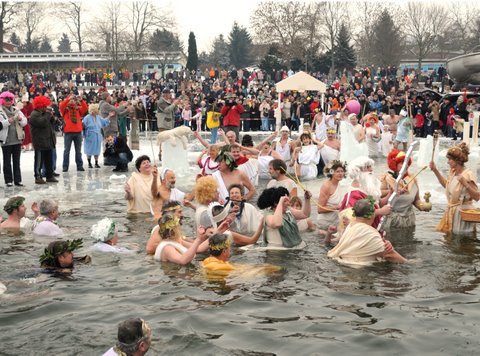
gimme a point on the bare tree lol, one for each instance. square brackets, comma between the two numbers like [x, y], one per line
[111, 30]
[73, 18]
[424, 22]
[462, 16]
[333, 14]
[8, 10]
[367, 14]
[144, 18]
[282, 23]
[33, 16]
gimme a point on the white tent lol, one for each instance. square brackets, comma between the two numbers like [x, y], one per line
[300, 81]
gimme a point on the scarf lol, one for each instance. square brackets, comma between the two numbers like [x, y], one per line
[72, 111]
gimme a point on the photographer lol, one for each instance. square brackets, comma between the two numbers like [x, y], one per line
[73, 109]
[231, 114]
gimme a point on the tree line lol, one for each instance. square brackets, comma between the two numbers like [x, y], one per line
[323, 36]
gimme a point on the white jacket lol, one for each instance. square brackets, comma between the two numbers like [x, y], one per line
[22, 120]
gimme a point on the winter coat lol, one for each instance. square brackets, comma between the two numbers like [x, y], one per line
[41, 126]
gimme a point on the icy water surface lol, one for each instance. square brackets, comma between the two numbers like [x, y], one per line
[312, 307]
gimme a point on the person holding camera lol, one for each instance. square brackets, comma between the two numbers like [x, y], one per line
[231, 114]
[73, 109]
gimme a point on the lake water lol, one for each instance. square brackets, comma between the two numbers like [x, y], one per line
[312, 307]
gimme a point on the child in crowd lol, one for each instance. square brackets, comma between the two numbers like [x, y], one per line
[304, 224]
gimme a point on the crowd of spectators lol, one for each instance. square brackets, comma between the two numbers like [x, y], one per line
[377, 89]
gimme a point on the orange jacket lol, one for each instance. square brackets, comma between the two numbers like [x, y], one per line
[72, 115]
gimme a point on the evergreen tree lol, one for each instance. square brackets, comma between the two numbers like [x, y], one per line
[220, 56]
[240, 46]
[192, 60]
[45, 46]
[271, 62]
[164, 40]
[64, 45]
[344, 53]
[387, 41]
[14, 39]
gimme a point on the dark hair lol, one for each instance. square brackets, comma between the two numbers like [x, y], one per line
[247, 141]
[363, 209]
[170, 204]
[236, 185]
[278, 165]
[214, 242]
[130, 331]
[139, 160]
[305, 135]
[270, 197]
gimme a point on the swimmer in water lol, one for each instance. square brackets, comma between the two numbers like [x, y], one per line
[106, 234]
[59, 255]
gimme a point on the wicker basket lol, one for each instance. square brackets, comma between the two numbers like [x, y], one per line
[470, 215]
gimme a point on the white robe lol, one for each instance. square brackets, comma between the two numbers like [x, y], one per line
[158, 252]
[359, 245]
[308, 159]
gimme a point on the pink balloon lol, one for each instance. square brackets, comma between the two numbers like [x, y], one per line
[353, 107]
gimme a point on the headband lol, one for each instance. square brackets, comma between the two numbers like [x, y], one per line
[163, 172]
[13, 203]
[220, 246]
[49, 256]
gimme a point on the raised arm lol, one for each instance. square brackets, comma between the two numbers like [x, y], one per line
[441, 179]
[200, 138]
[154, 187]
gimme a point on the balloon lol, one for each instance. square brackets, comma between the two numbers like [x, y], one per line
[353, 107]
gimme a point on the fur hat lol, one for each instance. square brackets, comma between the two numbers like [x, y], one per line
[40, 102]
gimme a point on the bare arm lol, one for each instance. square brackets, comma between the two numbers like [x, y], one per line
[248, 184]
[154, 187]
[471, 188]
[306, 210]
[441, 179]
[267, 139]
[171, 254]
[322, 207]
[200, 138]
[275, 221]
[241, 240]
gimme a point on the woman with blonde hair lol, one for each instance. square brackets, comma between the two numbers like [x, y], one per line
[461, 188]
[92, 132]
[206, 192]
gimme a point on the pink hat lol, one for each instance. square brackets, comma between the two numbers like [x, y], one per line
[6, 94]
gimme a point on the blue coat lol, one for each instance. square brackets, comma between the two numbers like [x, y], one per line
[93, 134]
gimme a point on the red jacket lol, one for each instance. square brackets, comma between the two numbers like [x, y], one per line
[72, 115]
[231, 115]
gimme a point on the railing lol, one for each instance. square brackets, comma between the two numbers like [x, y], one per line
[93, 56]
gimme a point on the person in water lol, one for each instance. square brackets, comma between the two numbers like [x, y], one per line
[219, 247]
[134, 337]
[172, 247]
[361, 244]
[59, 254]
[46, 223]
[106, 234]
[217, 263]
[281, 225]
[15, 208]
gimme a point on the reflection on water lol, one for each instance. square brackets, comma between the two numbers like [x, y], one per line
[312, 304]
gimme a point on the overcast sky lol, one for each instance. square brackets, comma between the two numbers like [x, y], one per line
[209, 18]
[206, 18]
